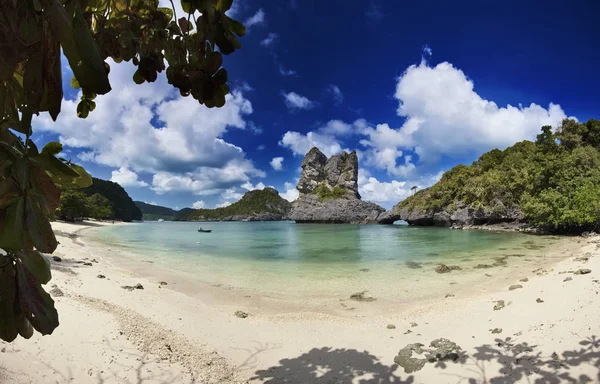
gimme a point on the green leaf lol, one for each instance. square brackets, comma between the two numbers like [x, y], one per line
[44, 186]
[167, 11]
[85, 179]
[37, 305]
[3, 93]
[55, 166]
[24, 326]
[52, 148]
[138, 77]
[20, 172]
[36, 264]
[53, 91]
[8, 191]
[219, 100]
[78, 46]
[185, 25]
[24, 125]
[12, 235]
[223, 5]
[74, 83]
[82, 109]
[33, 82]
[9, 150]
[237, 27]
[221, 76]
[187, 7]
[32, 149]
[8, 298]
[38, 227]
[30, 30]
[214, 62]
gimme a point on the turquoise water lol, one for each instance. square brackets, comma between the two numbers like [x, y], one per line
[285, 242]
[290, 258]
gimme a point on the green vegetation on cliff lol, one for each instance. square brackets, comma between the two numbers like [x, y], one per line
[155, 212]
[253, 203]
[323, 192]
[102, 200]
[123, 206]
[554, 182]
[76, 205]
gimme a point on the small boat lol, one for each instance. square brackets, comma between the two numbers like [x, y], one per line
[204, 230]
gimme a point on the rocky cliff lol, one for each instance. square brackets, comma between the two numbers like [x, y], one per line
[457, 215]
[329, 191]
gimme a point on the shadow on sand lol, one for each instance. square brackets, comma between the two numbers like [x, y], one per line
[328, 365]
[504, 362]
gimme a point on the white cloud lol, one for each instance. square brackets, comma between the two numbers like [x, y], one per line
[224, 204]
[255, 129]
[286, 72]
[204, 180]
[249, 187]
[300, 144]
[260, 147]
[327, 138]
[340, 129]
[199, 204]
[270, 39]
[445, 116]
[257, 19]
[374, 12]
[427, 52]
[127, 178]
[291, 193]
[185, 152]
[246, 87]
[392, 192]
[277, 163]
[336, 94]
[231, 194]
[234, 10]
[295, 101]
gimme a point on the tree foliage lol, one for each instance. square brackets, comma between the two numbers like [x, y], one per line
[32, 34]
[74, 205]
[252, 203]
[100, 207]
[155, 212]
[122, 205]
[554, 181]
[324, 192]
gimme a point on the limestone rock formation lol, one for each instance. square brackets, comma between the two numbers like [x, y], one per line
[459, 215]
[329, 191]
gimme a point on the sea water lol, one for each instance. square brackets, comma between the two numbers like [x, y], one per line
[285, 259]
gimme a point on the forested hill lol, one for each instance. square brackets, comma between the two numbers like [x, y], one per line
[155, 212]
[552, 183]
[263, 204]
[123, 206]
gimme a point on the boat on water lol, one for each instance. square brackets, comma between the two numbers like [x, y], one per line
[204, 230]
[161, 220]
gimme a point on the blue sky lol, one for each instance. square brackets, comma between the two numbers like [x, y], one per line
[414, 88]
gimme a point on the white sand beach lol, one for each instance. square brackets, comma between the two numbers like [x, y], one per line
[547, 331]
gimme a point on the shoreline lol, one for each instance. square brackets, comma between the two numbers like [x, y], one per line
[333, 299]
[239, 349]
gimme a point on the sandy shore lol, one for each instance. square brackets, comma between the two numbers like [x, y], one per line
[545, 333]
